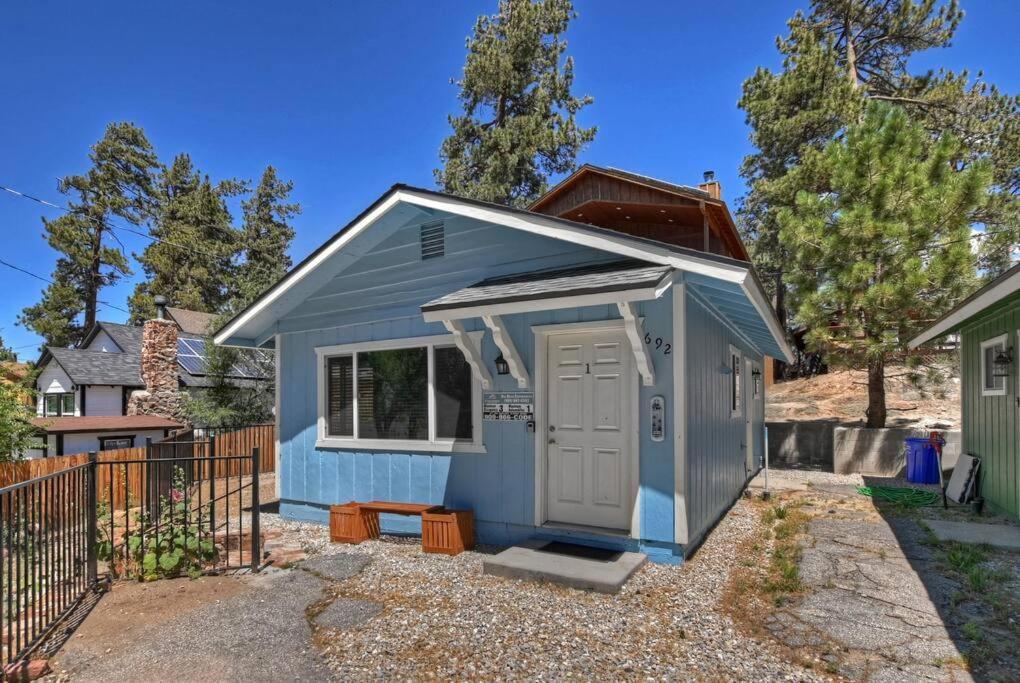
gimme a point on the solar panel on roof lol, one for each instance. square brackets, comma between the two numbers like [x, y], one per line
[191, 355]
[193, 364]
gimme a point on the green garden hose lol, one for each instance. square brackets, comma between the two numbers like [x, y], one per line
[907, 497]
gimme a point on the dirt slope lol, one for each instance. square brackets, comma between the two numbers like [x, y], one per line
[843, 396]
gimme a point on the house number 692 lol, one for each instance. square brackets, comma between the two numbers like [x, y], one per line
[664, 346]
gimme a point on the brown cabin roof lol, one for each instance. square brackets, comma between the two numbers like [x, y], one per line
[646, 207]
[103, 423]
[192, 322]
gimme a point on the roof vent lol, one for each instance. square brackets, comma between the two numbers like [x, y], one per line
[433, 240]
[709, 176]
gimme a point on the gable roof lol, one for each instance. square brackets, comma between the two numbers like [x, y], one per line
[99, 367]
[716, 207]
[996, 290]
[666, 186]
[122, 367]
[251, 325]
[192, 322]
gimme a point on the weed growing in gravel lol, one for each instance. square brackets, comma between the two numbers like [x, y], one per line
[963, 558]
[979, 578]
[972, 630]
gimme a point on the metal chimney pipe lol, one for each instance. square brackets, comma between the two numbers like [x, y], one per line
[160, 302]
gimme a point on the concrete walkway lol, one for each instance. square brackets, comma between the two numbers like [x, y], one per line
[1004, 536]
[251, 628]
[868, 604]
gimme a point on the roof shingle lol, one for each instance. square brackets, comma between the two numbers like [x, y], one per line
[590, 279]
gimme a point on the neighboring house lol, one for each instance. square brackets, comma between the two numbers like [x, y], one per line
[594, 382]
[97, 380]
[988, 325]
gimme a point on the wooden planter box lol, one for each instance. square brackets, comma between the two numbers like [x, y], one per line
[348, 524]
[450, 532]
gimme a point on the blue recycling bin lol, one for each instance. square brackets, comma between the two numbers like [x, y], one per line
[922, 460]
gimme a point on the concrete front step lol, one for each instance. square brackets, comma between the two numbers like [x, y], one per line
[576, 566]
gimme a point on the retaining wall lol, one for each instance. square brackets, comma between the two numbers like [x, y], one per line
[826, 446]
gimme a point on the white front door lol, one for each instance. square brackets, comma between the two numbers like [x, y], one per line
[589, 453]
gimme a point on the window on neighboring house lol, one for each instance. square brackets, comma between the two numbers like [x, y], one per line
[417, 393]
[992, 384]
[109, 443]
[735, 359]
[59, 404]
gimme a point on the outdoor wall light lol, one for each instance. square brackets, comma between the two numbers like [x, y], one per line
[756, 377]
[502, 367]
[1001, 363]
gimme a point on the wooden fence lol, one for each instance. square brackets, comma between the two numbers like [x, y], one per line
[122, 486]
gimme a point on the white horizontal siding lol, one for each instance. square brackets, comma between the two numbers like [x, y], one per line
[102, 400]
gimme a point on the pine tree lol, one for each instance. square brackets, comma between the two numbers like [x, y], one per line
[191, 261]
[119, 184]
[265, 237]
[7, 354]
[836, 58]
[518, 124]
[17, 433]
[886, 248]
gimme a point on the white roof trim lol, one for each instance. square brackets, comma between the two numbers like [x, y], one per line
[978, 303]
[531, 223]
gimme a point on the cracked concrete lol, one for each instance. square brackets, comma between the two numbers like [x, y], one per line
[875, 601]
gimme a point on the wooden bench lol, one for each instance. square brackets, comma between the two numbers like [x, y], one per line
[443, 531]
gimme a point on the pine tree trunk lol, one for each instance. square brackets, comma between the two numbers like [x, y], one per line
[92, 286]
[851, 54]
[876, 394]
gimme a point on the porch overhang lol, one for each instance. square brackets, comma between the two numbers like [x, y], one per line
[617, 283]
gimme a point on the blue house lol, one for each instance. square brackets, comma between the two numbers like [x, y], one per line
[587, 370]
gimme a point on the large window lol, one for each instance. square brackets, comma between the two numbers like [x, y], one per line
[59, 404]
[417, 394]
[991, 383]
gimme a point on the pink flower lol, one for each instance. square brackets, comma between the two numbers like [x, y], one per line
[176, 496]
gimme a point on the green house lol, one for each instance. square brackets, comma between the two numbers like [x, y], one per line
[988, 324]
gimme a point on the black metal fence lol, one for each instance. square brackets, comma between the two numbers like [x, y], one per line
[197, 511]
[49, 562]
[181, 510]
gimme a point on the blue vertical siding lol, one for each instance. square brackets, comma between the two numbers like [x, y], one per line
[716, 462]
[378, 297]
[499, 485]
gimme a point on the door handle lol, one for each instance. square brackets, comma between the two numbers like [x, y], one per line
[552, 440]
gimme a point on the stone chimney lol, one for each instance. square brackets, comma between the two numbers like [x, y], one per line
[712, 186]
[161, 395]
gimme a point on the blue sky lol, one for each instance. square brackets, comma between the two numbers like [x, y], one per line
[347, 98]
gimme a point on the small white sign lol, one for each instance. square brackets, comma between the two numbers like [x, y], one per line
[505, 406]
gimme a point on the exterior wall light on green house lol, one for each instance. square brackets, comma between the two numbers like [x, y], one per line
[502, 367]
[756, 377]
[1002, 362]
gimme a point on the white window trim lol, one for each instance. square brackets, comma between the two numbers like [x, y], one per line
[433, 444]
[1001, 340]
[736, 407]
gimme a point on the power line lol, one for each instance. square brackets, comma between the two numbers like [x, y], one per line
[104, 222]
[49, 281]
